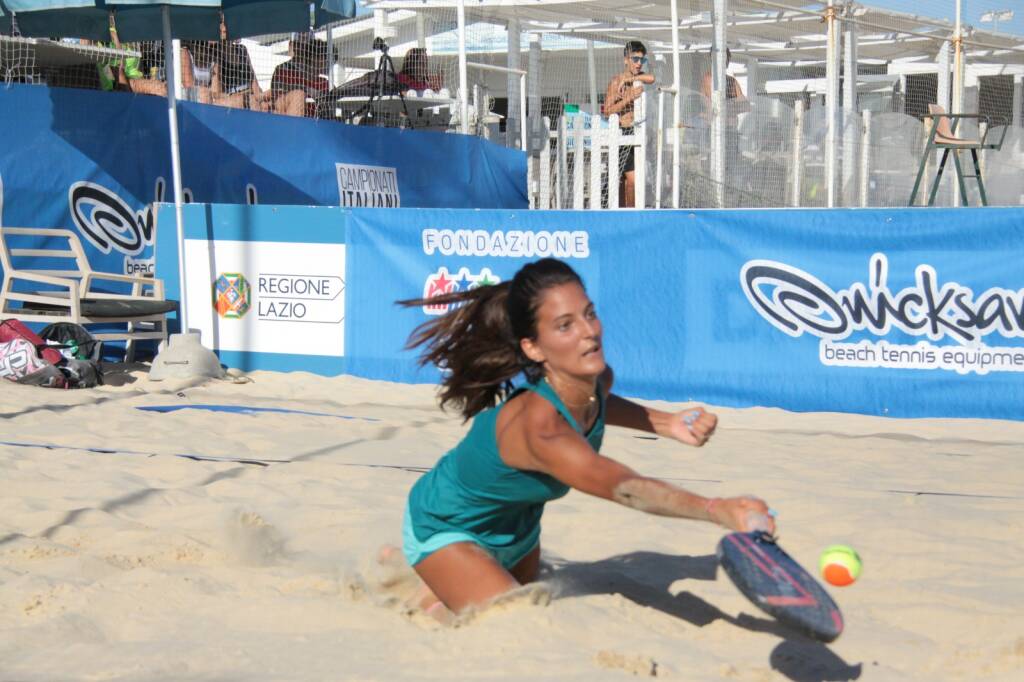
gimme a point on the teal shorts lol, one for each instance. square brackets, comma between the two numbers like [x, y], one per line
[416, 550]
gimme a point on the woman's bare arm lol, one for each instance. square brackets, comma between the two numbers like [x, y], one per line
[558, 450]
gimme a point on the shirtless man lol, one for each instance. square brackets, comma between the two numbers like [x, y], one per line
[623, 90]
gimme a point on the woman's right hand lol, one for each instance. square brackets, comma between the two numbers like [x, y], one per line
[742, 514]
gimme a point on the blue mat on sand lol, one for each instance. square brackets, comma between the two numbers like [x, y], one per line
[245, 409]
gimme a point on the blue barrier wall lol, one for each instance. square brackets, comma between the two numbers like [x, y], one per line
[94, 162]
[905, 313]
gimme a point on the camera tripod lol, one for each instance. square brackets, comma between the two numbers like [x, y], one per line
[377, 84]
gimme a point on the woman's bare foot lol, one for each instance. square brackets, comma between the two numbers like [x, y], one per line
[423, 598]
[440, 612]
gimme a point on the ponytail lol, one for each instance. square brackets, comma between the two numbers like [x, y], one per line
[476, 343]
[472, 344]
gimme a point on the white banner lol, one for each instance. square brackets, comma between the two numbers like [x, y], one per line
[267, 297]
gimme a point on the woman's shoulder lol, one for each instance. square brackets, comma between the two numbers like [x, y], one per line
[529, 410]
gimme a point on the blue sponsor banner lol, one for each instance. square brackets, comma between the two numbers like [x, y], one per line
[94, 162]
[904, 312]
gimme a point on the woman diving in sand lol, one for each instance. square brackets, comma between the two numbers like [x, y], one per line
[472, 524]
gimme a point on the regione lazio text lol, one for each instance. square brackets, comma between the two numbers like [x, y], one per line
[904, 313]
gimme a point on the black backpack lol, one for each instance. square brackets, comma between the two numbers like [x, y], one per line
[82, 353]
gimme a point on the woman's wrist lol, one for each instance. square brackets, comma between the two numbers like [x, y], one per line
[711, 505]
[661, 422]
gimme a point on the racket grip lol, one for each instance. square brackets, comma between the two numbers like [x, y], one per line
[757, 521]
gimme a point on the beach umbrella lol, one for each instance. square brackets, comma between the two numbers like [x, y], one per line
[167, 20]
[190, 19]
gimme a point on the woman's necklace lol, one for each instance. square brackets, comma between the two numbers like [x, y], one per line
[588, 403]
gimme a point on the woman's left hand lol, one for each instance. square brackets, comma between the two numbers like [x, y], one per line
[693, 426]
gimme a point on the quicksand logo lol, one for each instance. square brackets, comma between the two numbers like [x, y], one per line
[443, 282]
[108, 222]
[796, 302]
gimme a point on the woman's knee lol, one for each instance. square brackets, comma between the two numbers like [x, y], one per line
[464, 574]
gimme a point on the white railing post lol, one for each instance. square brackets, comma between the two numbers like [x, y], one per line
[658, 149]
[578, 156]
[865, 160]
[515, 88]
[562, 174]
[640, 151]
[614, 139]
[676, 104]
[831, 101]
[544, 160]
[719, 84]
[596, 149]
[850, 119]
[798, 152]
[463, 76]
[522, 109]
[532, 182]
[595, 108]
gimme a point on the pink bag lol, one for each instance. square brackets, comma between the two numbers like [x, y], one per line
[20, 361]
[16, 329]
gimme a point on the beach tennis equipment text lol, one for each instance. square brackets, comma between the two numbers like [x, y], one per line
[796, 302]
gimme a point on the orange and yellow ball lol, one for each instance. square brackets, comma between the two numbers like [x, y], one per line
[839, 565]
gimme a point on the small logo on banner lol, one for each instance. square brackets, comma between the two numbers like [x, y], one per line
[368, 186]
[443, 282]
[796, 302]
[232, 295]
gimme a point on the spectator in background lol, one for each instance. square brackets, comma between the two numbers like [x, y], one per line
[624, 89]
[197, 80]
[300, 83]
[736, 103]
[144, 75]
[233, 80]
[415, 73]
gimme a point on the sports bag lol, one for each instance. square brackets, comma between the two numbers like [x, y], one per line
[27, 359]
[72, 340]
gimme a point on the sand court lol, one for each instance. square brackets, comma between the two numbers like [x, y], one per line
[210, 545]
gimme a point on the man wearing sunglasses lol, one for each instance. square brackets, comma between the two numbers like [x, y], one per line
[623, 89]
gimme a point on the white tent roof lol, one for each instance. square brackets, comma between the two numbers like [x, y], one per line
[788, 31]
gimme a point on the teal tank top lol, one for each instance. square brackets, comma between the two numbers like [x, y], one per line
[472, 491]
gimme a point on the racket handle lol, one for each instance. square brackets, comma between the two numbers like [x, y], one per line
[757, 521]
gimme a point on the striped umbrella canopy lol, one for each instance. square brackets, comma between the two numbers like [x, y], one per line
[190, 19]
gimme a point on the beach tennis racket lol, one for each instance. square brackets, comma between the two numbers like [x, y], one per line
[778, 585]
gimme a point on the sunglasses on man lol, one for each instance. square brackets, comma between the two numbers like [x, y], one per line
[639, 60]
